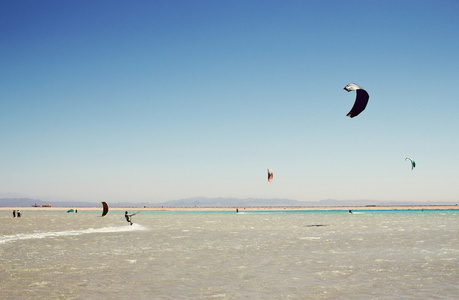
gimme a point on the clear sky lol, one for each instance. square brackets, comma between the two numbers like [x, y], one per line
[163, 100]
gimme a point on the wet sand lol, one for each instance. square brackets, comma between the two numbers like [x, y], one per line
[257, 208]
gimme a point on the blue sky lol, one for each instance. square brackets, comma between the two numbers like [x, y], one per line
[163, 100]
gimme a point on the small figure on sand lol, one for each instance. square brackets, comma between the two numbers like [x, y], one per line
[237, 210]
[350, 211]
[19, 213]
[14, 213]
[128, 217]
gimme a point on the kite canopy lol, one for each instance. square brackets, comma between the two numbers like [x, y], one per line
[105, 206]
[413, 163]
[270, 175]
[361, 99]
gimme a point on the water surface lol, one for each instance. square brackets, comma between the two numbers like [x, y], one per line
[258, 255]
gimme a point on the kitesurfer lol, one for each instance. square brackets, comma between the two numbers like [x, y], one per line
[128, 217]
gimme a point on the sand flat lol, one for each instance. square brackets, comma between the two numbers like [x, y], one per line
[255, 208]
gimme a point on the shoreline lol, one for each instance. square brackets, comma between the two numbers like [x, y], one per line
[253, 208]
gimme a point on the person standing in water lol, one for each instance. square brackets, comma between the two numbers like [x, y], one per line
[128, 217]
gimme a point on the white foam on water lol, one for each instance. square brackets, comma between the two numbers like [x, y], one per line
[52, 234]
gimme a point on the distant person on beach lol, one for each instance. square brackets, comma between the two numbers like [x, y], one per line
[19, 213]
[14, 213]
[237, 210]
[350, 211]
[128, 217]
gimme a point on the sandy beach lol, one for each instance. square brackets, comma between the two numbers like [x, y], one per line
[257, 208]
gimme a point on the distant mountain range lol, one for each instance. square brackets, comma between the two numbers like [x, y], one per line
[213, 202]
